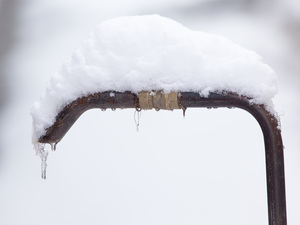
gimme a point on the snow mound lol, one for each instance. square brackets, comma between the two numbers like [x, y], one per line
[143, 53]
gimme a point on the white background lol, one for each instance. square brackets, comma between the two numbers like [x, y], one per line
[206, 168]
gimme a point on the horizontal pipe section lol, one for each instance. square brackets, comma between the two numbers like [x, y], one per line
[268, 123]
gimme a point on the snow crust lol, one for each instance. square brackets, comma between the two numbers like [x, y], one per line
[151, 52]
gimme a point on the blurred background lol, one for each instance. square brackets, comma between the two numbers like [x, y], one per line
[206, 168]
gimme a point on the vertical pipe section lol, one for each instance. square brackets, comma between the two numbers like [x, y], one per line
[274, 165]
[273, 145]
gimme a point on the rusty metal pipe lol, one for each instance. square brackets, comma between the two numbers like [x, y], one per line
[273, 146]
[69, 114]
[268, 123]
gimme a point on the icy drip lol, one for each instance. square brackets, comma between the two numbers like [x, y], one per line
[137, 116]
[43, 153]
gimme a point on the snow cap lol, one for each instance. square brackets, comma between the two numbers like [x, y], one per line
[144, 53]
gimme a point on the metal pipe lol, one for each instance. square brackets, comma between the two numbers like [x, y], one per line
[268, 123]
[273, 146]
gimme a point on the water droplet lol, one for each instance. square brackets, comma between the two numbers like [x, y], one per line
[103, 109]
[113, 109]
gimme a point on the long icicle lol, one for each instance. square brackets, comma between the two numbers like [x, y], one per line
[43, 153]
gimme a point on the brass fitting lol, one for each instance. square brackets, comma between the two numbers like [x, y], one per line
[158, 100]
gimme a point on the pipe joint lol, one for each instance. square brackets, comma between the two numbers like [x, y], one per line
[158, 100]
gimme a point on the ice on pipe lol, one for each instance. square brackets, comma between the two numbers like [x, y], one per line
[43, 154]
[144, 53]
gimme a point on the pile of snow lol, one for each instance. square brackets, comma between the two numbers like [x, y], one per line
[143, 53]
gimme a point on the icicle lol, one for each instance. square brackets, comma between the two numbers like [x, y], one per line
[55, 146]
[43, 153]
[137, 116]
[44, 164]
[183, 110]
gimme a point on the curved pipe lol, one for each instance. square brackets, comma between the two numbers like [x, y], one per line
[69, 114]
[268, 123]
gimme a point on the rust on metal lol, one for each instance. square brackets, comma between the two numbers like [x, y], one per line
[146, 100]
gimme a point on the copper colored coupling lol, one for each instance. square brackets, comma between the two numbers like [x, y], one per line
[158, 100]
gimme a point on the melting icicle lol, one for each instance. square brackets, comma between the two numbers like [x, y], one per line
[137, 116]
[44, 164]
[53, 146]
[43, 153]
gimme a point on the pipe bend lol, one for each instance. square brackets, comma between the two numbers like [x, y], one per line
[268, 123]
[70, 113]
[273, 145]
